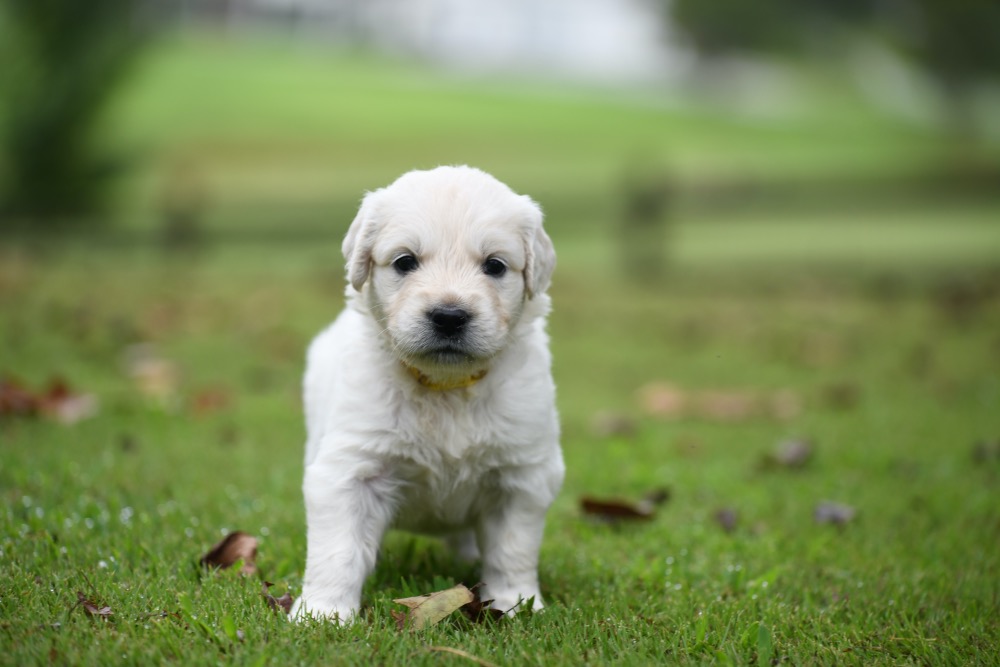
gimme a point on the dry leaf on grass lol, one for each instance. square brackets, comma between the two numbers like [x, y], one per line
[661, 399]
[91, 608]
[793, 454]
[841, 395]
[725, 405]
[727, 518]
[62, 405]
[655, 498]
[282, 604]
[616, 509]
[986, 451]
[154, 376]
[209, 400]
[668, 401]
[428, 610]
[15, 399]
[479, 610]
[837, 514]
[57, 401]
[234, 547]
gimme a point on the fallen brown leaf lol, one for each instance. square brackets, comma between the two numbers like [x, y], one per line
[428, 610]
[282, 604]
[727, 518]
[616, 509]
[837, 514]
[154, 376]
[479, 610]
[656, 497]
[210, 400]
[661, 399]
[234, 547]
[91, 608]
[15, 399]
[664, 400]
[841, 395]
[55, 402]
[726, 406]
[985, 451]
[62, 405]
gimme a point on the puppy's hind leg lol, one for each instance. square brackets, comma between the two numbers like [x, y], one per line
[349, 506]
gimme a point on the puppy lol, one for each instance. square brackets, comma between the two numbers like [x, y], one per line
[429, 402]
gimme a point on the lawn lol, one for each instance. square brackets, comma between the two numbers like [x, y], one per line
[872, 334]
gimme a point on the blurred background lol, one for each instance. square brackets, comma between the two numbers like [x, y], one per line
[680, 148]
[269, 118]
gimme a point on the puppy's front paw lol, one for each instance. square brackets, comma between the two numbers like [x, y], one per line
[511, 602]
[305, 608]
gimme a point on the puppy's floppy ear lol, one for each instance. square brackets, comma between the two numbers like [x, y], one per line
[359, 241]
[539, 253]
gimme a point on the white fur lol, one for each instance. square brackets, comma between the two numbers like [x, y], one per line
[478, 464]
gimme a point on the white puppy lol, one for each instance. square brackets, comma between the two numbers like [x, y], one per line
[429, 402]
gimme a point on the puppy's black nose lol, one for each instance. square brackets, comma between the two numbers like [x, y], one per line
[448, 321]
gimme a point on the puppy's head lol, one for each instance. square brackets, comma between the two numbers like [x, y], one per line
[446, 260]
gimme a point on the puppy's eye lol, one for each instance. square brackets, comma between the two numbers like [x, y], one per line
[494, 267]
[405, 264]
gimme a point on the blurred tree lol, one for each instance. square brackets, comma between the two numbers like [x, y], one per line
[727, 27]
[955, 41]
[62, 60]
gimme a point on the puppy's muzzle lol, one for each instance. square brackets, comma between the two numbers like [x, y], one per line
[449, 321]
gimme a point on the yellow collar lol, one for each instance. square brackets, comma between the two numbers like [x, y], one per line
[460, 383]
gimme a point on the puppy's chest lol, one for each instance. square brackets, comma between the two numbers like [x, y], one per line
[459, 434]
[436, 499]
[449, 464]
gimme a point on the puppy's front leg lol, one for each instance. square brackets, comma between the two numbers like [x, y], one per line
[349, 506]
[510, 537]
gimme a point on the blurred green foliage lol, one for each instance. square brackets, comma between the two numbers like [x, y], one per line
[63, 60]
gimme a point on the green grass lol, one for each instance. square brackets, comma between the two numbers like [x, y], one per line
[895, 309]
[122, 505]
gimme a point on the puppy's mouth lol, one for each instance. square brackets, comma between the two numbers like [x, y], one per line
[446, 338]
[448, 353]
[445, 352]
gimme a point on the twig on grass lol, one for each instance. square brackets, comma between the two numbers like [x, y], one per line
[463, 654]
